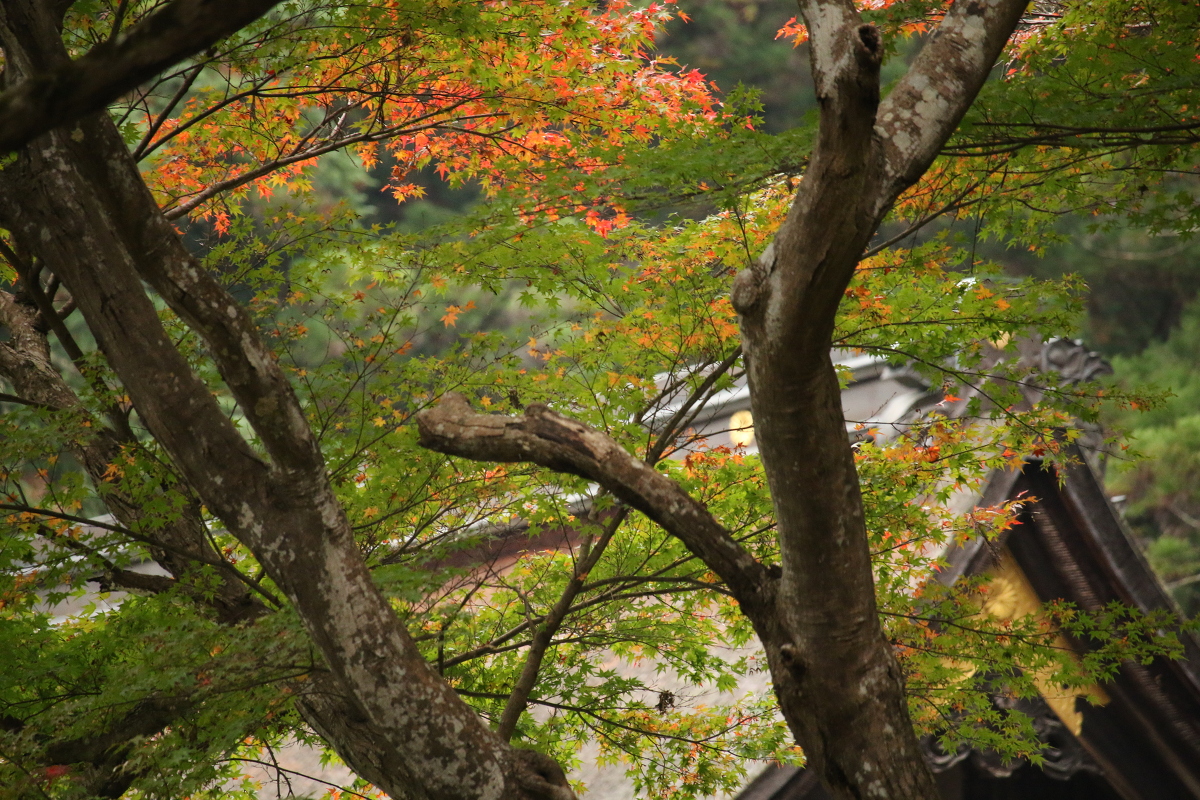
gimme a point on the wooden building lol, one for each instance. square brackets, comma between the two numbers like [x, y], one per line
[1143, 741]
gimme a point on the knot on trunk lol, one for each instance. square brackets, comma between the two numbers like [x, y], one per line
[749, 287]
[539, 776]
[789, 655]
[870, 46]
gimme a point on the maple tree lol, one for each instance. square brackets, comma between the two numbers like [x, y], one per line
[268, 425]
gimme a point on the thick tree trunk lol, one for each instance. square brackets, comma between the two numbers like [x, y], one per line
[845, 704]
[845, 698]
[62, 92]
[288, 517]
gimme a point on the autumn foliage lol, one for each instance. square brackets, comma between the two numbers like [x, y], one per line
[618, 195]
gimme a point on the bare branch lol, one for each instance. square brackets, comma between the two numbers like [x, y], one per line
[209, 558]
[683, 416]
[543, 637]
[958, 203]
[545, 437]
[21, 401]
[113, 575]
[185, 86]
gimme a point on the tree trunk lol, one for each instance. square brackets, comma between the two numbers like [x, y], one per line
[843, 693]
[838, 682]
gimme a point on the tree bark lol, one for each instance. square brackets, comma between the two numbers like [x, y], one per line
[839, 722]
[179, 545]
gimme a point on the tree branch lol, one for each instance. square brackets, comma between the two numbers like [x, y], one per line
[101, 762]
[113, 575]
[925, 107]
[543, 636]
[545, 437]
[52, 319]
[205, 556]
[111, 237]
[837, 679]
[58, 93]
[12, 398]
